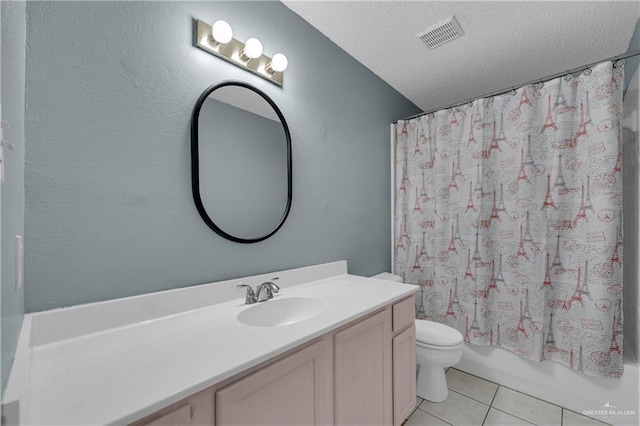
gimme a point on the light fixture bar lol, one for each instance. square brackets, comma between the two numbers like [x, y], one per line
[230, 52]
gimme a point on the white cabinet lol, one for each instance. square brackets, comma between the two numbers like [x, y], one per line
[404, 359]
[178, 417]
[196, 410]
[295, 390]
[375, 368]
[404, 375]
[362, 391]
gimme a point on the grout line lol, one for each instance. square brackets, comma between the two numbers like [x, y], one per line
[432, 415]
[466, 396]
[453, 368]
[417, 407]
[513, 415]
[407, 419]
[494, 395]
[491, 404]
[582, 415]
[562, 409]
[486, 415]
[514, 390]
[530, 396]
[473, 399]
[414, 410]
[470, 397]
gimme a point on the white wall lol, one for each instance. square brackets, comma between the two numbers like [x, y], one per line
[12, 223]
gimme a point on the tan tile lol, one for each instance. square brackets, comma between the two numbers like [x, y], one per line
[418, 400]
[471, 386]
[570, 418]
[498, 418]
[527, 408]
[420, 418]
[457, 409]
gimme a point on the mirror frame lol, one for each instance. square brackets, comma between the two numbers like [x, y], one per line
[195, 163]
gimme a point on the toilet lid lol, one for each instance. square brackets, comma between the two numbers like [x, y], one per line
[434, 333]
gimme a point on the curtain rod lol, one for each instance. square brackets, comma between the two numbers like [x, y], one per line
[550, 77]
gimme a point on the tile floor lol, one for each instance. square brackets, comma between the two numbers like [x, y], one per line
[474, 401]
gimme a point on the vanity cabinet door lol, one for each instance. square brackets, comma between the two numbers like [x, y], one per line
[362, 380]
[404, 375]
[178, 417]
[293, 391]
[197, 410]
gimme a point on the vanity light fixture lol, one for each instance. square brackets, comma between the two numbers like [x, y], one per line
[221, 33]
[218, 40]
[279, 63]
[252, 49]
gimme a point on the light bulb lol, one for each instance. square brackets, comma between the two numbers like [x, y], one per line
[221, 32]
[279, 63]
[252, 48]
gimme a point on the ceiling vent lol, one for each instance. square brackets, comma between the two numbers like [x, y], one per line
[441, 33]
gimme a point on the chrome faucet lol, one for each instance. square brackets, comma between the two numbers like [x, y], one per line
[263, 292]
[250, 297]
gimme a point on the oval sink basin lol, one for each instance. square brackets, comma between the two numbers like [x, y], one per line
[281, 312]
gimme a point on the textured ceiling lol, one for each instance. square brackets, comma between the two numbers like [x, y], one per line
[505, 43]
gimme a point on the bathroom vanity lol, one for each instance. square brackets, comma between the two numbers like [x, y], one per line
[363, 373]
[329, 348]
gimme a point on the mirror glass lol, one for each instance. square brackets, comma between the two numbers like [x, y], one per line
[243, 163]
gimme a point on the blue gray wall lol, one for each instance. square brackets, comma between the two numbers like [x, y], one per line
[110, 90]
[12, 83]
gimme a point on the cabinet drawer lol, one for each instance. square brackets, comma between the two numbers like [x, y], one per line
[404, 314]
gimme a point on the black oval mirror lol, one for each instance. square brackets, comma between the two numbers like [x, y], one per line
[241, 175]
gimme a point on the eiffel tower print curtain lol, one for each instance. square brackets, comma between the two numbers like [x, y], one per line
[508, 217]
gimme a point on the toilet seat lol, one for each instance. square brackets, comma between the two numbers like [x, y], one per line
[439, 348]
[430, 334]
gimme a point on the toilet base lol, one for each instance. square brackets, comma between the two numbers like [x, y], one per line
[432, 383]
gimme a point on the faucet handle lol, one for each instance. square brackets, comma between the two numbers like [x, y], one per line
[250, 297]
[266, 290]
[273, 285]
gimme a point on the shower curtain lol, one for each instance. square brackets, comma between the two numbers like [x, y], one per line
[508, 215]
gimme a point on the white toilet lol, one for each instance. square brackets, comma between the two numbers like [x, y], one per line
[438, 346]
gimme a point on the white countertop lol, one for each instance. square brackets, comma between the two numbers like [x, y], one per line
[122, 374]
